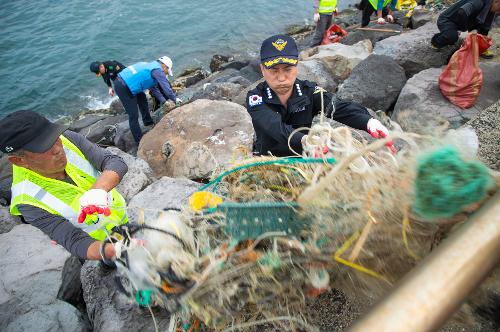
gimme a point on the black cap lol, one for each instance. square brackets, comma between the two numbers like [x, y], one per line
[29, 131]
[94, 67]
[279, 49]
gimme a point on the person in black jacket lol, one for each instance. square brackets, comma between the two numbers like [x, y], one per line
[284, 103]
[108, 70]
[465, 15]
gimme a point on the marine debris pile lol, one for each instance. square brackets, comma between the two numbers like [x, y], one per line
[262, 237]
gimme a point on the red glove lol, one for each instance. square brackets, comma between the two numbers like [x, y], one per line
[92, 209]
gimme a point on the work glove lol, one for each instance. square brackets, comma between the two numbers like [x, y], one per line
[178, 101]
[94, 201]
[111, 92]
[381, 21]
[316, 17]
[378, 130]
[390, 19]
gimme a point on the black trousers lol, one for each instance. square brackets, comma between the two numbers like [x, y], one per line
[448, 34]
[325, 20]
[133, 104]
[368, 10]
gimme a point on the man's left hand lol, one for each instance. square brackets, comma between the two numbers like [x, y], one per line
[111, 92]
[390, 18]
[378, 130]
[178, 101]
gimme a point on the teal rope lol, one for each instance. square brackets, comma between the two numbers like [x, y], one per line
[283, 161]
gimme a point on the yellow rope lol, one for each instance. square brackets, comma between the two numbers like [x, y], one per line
[360, 268]
[406, 226]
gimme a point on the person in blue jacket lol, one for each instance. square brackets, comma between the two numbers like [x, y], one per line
[131, 83]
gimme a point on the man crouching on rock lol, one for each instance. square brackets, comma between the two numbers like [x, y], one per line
[284, 103]
[63, 184]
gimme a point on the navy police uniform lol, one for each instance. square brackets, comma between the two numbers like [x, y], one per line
[273, 123]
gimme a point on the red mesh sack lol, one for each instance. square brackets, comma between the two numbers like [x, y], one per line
[333, 34]
[461, 81]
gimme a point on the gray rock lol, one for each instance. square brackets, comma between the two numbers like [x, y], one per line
[7, 221]
[375, 83]
[374, 36]
[421, 17]
[217, 61]
[102, 131]
[216, 91]
[117, 106]
[422, 108]
[86, 121]
[197, 90]
[354, 53]
[123, 138]
[164, 194]
[190, 78]
[110, 310]
[237, 64]
[251, 72]
[412, 50]
[57, 316]
[138, 177]
[315, 70]
[31, 280]
[486, 124]
[197, 138]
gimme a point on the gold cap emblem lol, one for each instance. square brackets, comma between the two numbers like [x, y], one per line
[280, 44]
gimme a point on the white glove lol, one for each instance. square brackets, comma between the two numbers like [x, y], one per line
[376, 129]
[390, 19]
[178, 101]
[381, 21]
[111, 92]
[96, 197]
[316, 17]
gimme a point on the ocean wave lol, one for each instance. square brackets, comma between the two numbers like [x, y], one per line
[94, 103]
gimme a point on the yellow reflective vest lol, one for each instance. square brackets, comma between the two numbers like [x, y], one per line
[62, 198]
[327, 6]
[374, 3]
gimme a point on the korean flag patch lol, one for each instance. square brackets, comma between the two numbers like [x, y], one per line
[254, 100]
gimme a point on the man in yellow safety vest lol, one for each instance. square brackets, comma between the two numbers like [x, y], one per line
[323, 11]
[63, 184]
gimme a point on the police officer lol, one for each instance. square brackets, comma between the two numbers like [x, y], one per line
[284, 103]
[108, 70]
[131, 83]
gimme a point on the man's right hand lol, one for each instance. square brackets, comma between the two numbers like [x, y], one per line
[316, 17]
[380, 20]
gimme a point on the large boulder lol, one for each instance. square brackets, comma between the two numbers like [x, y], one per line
[420, 17]
[220, 90]
[189, 77]
[138, 177]
[32, 279]
[100, 129]
[374, 36]
[164, 194]
[354, 53]
[7, 221]
[194, 140]
[375, 83]
[109, 310]
[421, 106]
[413, 51]
[486, 124]
[317, 71]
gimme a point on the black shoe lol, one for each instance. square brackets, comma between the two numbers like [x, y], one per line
[148, 123]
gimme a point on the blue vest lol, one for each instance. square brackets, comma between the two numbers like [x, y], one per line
[138, 76]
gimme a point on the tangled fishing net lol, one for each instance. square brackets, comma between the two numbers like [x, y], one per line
[262, 237]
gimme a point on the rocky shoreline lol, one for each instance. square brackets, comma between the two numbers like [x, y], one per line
[392, 73]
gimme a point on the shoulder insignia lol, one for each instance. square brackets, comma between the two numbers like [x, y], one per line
[254, 100]
[318, 89]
